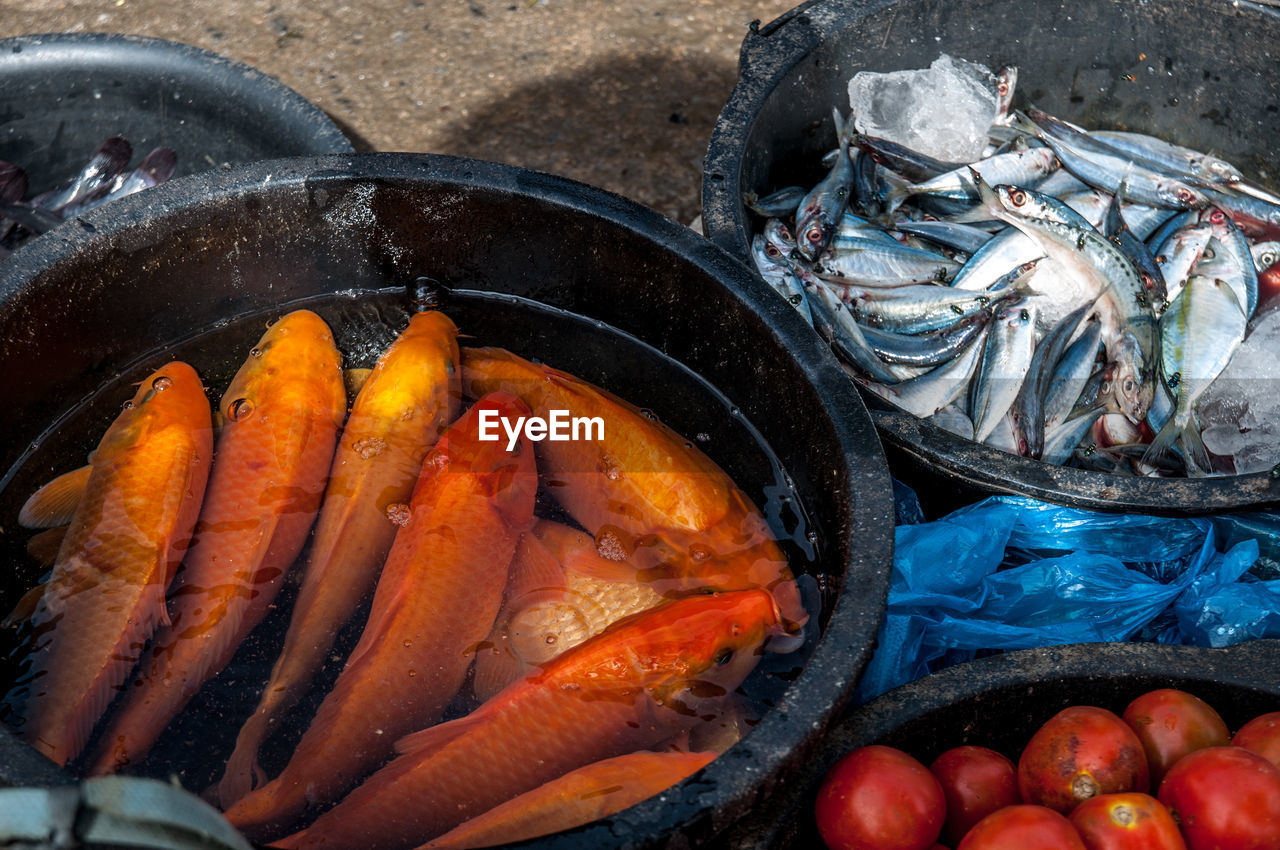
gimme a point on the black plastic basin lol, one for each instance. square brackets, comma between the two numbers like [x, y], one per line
[1000, 701]
[89, 298]
[61, 95]
[1197, 73]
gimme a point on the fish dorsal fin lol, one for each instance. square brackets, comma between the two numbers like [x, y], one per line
[576, 552]
[533, 569]
[55, 502]
[44, 546]
[442, 734]
[25, 608]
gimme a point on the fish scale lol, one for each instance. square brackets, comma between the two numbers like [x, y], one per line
[106, 594]
[602, 699]
[436, 600]
[283, 411]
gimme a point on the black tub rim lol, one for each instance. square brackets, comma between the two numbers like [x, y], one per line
[844, 647]
[769, 54]
[320, 135]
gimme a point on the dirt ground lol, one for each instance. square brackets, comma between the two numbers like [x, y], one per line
[619, 95]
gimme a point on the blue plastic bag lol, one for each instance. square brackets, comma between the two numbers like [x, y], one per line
[1013, 573]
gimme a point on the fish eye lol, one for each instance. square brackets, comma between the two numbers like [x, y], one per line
[1017, 197]
[783, 233]
[771, 251]
[1128, 385]
[814, 234]
[723, 657]
[1106, 387]
[1002, 88]
[1025, 314]
[795, 300]
[1268, 259]
[1217, 216]
[1185, 195]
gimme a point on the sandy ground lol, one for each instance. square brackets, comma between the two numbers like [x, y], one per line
[619, 95]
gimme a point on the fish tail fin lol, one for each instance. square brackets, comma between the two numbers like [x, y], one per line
[1194, 451]
[243, 774]
[899, 190]
[1163, 443]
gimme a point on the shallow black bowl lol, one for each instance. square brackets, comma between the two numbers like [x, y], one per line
[61, 95]
[95, 295]
[1000, 701]
[1197, 73]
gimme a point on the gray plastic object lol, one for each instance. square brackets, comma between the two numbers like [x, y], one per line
[1197, 72]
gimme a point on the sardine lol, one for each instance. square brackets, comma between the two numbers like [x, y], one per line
[1006, 357]
[865, 262]
[820, 211]
[1170, 157]
[928, 349]
[927, 394]
[1201, 331]
[783, 202]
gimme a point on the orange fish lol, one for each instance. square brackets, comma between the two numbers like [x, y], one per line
[580, 796]
[436, 599]
[560, 593]
[411, 396]
[132, 525]
[643, 680]
[644, 492]
[281, 417]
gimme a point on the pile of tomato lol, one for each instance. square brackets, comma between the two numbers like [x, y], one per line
[1166, 775]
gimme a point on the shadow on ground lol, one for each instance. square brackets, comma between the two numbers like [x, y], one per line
[635, 126]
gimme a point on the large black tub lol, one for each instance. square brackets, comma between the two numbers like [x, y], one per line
[1196, 73]
[1000, 701]
[94, 299]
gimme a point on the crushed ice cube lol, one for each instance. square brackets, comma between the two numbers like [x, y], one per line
[1240, 411]
[944, 111]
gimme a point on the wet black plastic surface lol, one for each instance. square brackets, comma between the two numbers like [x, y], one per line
[61, 95]
[1197, 73]
[1000, 701]
[88, 298]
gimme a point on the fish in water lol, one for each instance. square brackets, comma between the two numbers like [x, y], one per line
[641, 681]
[131, 528]
[410, 397]
[580, 796]
[561, 592]
[436, 600]
[281, 417]
[642, 491]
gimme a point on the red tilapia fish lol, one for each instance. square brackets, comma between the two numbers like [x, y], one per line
[281, 417]
[436, 599]
[130, 530]
[580, 796]
[643, 680]
[644, 492]
[561, 592]
[409, 398]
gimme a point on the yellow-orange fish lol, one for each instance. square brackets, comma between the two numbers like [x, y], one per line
[560, 593]
[643, 680]
[129, 532]
[281, 417]
[411, 395]
[580, 796]
[436, 599]
[645, 493]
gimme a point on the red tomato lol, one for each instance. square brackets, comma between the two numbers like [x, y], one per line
[879, 798]
[1023, 828]
[1079, 753]
[1126, 822]
[1225, 798]
[1262, 736]
[976, 782]
[1171, 723]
